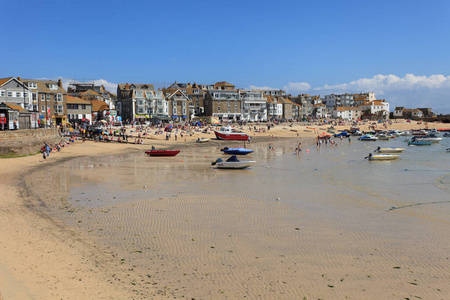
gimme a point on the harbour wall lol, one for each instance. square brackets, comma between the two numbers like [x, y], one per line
[29, 141]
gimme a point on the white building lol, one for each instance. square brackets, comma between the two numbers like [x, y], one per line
[254, 106]
[347, 113]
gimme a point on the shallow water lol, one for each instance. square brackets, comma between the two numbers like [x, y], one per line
[181, 217]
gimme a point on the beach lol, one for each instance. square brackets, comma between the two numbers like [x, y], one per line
[104, 221]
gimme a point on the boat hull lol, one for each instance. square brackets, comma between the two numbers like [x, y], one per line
[391, 150]
[384, 157]
[420, 143]
[237, 151]
[235, 164]
[231, 136]
[162, 152]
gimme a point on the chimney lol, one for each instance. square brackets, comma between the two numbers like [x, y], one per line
[127, 86]
[18, 78]
[60, 83]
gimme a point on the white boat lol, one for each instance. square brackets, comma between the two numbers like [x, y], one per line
[384, 156]
[229, 133]
[427, 138]
[368, 138]
[233, 163]
[389, 150]
[202, 140]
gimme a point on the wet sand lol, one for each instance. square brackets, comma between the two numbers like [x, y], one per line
[174, 240]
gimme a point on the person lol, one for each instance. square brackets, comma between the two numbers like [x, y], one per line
[349, 140]
[43, 151]
[270, 145]
[47, 149]
[299, 148]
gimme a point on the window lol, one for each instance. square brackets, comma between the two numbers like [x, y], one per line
[9, 94]
[83, 106]
[48, 97]
[2, 93]
[218, 109]
[59, 97]
[42, 97]
[32, 85]
[34, 96]
[42, 108]
[35, 107]
[52, 86]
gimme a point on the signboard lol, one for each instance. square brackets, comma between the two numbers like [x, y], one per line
[2, 120]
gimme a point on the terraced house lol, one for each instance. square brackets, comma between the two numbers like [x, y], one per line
[225, 104]
[50, 98]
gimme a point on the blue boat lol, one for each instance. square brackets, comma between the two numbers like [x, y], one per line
[419, 143]
[236, 151]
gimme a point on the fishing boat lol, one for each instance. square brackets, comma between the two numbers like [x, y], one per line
[165, 152]
[384, 156]
[233, 163]
[202, 140]
[229, 133]
[389, 150]
[419, 143]
[236, 151]
[418, 132]
[368, 138]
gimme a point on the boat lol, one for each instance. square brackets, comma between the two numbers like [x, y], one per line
[384, 156]
[229, 133]
[389, 150]
[418, 132]
[233, 163]
[236, 151]
[448, 149]
[427, 138]
[446, 134]
[384, 137]
[368, 138]
[202, 140]
[165, 152]
[419, 143]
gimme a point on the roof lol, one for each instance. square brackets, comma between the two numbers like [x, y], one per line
[42, 86]
[76, 100]
[16, 107]
[137, 86]
[89, 93]
[98, 105]
[347, 108]
[222, 83]
[378, 102]
[5, 80]
[400, 108]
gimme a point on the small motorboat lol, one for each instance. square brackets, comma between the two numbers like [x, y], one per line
[446, 134]
[448, 149]
[236, 151]
[155, 152]
[202, 140]
[389, 150]
[419, 143]
[384, 137]
[384, 156]
[368, 137]
[233, 163]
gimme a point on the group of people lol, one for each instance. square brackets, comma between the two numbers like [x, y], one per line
[47, 148]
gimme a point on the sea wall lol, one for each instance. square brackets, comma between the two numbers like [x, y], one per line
[26, 141]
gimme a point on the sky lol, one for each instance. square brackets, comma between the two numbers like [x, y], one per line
[398, 49]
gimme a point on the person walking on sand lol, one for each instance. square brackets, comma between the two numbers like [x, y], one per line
[47, 149]
[299, 149]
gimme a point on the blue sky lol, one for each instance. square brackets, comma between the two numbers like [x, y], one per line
[314, 47]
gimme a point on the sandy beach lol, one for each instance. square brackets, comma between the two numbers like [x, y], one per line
[46, 257]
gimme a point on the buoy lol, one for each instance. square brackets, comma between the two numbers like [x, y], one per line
[181, 160]
[307, 150]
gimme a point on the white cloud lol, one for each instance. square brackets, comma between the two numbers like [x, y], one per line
[296, 87]
[410, 91]
[110, 86]
[254, 87]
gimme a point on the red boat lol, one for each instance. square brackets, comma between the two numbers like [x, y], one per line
[162, 152]
[443, 129]
[229, 133]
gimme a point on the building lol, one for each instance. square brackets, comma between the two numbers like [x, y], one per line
[90, 91]
[224, 104]
[379, 108]
[274, 108]
[13, 117]
[132, 101]
[254, 106]
[79, 111]
[347, 113]
[194, 92]
[50, 98]
[14, 91]
[178, 105]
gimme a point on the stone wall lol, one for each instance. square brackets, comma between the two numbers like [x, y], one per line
[27, 141]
